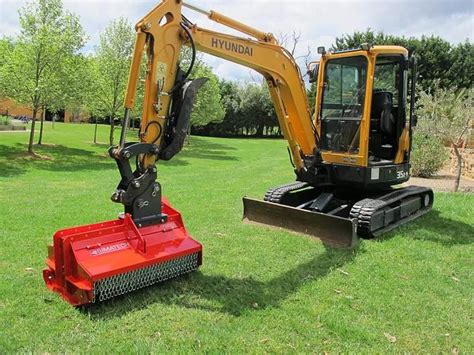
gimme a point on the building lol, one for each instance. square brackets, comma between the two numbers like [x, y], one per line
[9, 107]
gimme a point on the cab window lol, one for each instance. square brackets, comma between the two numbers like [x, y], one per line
[343, 103]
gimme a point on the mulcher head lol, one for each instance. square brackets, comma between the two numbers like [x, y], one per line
[95, 262]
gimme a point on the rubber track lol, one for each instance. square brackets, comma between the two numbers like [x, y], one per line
[363, 210]
[275, 194]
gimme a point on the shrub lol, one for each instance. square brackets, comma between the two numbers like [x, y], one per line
[5, 120]
[428, 155]
[447, 114]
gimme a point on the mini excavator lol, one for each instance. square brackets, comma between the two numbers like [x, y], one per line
[348, 155]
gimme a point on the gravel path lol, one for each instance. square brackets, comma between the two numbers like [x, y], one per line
[444, 181]
[14, 131]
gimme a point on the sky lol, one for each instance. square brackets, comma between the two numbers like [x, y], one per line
[318, 21]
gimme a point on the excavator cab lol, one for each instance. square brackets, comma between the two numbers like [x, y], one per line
[361, 117]
[355, 88]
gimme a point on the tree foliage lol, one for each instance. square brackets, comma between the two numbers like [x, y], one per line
[438, 60]
[109, 68]
[6, 47]
[208, 107]
[256, 108]
[428, 154]
[231, 100]
[311, 96]
[78, 85]
[248, 111]
[36, 67]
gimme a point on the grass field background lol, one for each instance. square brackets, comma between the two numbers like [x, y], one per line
[258, 289]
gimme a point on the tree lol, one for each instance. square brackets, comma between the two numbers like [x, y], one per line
[110, 71]
[249, 110]
[230, 99]
[208, 107]
[6, 47]
[428, 154]
[78, 86]
[48, 36]
[256, 108]
[447, 114]
[462, 65]
[291, 42]
[438, 60]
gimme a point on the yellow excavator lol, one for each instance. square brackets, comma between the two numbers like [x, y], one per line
[347, 154]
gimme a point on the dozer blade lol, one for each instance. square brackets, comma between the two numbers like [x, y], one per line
[95, 262]
[333, 230]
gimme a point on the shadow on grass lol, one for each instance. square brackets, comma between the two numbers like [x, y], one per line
[232, 296]
[200, 148]
[16, 161]
[235, 296]
[436, 228]
[105, 146]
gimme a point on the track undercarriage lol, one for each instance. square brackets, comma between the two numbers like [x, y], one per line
[342, 214]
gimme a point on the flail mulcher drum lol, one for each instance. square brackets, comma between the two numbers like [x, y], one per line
[95, 262]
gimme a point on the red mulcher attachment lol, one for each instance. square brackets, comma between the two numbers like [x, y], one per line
[98, 261]
[149, 243]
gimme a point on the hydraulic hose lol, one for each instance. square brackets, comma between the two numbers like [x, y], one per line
[193, 58]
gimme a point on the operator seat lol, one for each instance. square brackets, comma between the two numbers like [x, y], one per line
[382, 104]
[382, 125]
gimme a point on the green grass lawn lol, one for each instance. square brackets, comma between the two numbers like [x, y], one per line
[258, 289]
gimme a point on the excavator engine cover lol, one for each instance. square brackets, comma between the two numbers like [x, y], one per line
[95, 262]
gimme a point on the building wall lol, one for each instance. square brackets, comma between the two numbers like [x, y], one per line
[10, 107]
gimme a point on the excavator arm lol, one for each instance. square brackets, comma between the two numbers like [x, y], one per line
[162, 33]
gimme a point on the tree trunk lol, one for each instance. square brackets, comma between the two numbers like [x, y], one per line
[188, 135]
[43, 116]
[32, 132]
[95, 131]
[112, 127]
[458, 168]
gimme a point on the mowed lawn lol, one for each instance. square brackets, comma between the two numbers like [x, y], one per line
[259, 290]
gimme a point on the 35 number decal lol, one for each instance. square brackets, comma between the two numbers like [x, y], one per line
[402, 174]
